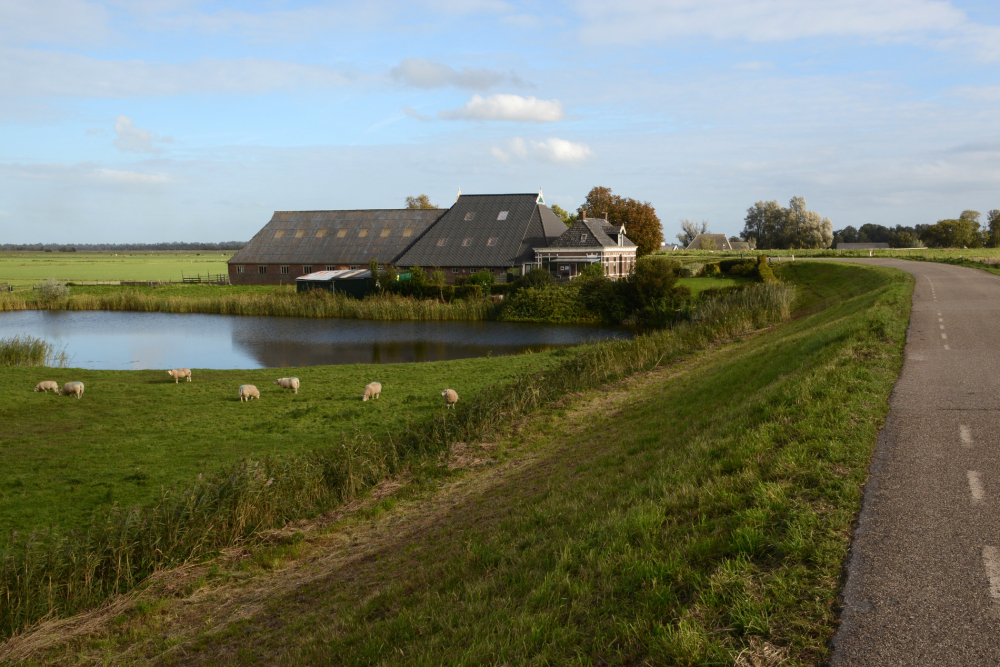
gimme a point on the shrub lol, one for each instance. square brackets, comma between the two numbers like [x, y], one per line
[764, 270]
[485, 279]
[691, 270]
[593, 271]
[712, 270]
[536, 278]
[469, 291]
[551, 303]
[51, 289]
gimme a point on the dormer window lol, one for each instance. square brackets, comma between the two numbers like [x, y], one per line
[583, 237]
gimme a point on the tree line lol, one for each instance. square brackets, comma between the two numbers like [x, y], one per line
[768, 225]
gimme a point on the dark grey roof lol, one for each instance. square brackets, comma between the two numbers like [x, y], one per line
[471, 233]
[591, 233]
[721, 241]
[861, 246]
[336, 237]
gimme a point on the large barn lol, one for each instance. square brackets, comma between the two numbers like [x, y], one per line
[496, 233]
[295, 243]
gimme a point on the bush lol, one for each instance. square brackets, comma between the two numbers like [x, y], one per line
[764, 270]
[691, 270]
[712, 270]
[500, 288]
[593, 271]
[485, 279]
[536, 278]
[52, 289]
[469, 291]
[551, 303]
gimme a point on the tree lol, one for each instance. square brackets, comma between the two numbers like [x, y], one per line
[420, 201]
[564, 215]
[977, 239]
[764, 223]
[708, 244]
[950, 233]
[639, 218]
[993, 228]
[691, 229]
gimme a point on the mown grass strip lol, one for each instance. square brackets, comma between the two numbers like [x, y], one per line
[57, 573]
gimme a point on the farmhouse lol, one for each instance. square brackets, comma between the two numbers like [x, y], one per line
[496, 233]
[588, 241]
[715, 242]
[503, 234]
[296, 243]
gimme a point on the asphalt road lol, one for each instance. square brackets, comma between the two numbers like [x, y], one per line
[923, 578]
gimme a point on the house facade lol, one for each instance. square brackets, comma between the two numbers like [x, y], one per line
[588, 241]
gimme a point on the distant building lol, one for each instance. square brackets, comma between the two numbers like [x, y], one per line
[295, 243]
[670, 246]
[862, 246]
[720, 241]
[496, 233]
[588, 241]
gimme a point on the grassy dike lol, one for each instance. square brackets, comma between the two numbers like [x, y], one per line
[705, 522]
[701, 519]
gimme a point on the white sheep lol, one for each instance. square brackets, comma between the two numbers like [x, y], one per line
[288, 383]
[45, 386]
[373, 390]
[72, 389]
[450, 397]
[179, 373]
[248, 391]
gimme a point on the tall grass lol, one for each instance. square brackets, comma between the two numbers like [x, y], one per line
[30, 351]
[55, 572]
[280, 303]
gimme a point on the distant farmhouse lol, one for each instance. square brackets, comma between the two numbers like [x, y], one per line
[862, 246]
[503, 234]
[716, 242]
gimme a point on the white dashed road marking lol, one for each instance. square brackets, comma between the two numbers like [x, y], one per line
[975, 486]
[991, 561]
[966, 435]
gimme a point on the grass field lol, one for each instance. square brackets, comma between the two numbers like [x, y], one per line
[698, 515]
[134, 432]
[22, 268]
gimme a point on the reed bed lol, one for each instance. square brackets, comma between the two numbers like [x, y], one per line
[57, 573]
[30, 351]
[280, 303]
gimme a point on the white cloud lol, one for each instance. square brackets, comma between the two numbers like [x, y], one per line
[53, 22]
[132, 139]
[30, 73]
[553, 150]
[424, 73]
[507, 107]
[561, 151]
[413, 113]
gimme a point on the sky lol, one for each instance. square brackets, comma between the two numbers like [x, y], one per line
[189, 120]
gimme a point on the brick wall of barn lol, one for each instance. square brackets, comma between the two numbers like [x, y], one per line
[251, 275]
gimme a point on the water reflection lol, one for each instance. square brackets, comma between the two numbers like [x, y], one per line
[115, 340]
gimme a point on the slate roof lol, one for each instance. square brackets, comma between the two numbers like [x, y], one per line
[472, 233]
[337, 237]
[591, 233]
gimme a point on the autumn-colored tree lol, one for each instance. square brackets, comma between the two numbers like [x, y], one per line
[639, 218]
[420, 201]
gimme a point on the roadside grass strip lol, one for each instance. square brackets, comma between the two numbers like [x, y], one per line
[57, 572]
[705, 521]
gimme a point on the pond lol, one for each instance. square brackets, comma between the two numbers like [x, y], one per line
[133, 341]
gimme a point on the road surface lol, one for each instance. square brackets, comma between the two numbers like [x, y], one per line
[923, 577]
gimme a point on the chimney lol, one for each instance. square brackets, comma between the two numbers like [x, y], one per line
[604, 216]
[583, 214]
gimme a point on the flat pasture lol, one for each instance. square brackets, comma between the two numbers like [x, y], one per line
[23, 268]
[136, 432]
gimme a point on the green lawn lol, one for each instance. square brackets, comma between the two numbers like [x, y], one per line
[697, 285]
[29, 267]
[135, 431]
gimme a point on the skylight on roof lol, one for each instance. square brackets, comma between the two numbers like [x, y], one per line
[362, 233]
[502, 216]
[467, 241]
[441, 242]
[408, 232]
[299, 234]
[385, 232]
[320, 233]
[492, 241]
[278, 234]
[342, 233]
[470, 215]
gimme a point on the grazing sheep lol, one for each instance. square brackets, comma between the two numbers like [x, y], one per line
[179, 373]
[45, 386]
[450, 397]
[248, 391]
[373, 390]
[72, 389]
[288, 383]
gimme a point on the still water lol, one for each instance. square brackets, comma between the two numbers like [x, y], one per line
[133, 341]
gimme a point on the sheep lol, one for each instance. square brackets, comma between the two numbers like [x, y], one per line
[373, 390]
[248, 391]
[72, 389]
[288, 383]
[45, 386]
[179, 373]
[450, 397]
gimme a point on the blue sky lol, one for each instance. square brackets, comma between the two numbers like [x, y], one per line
[183, 120]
